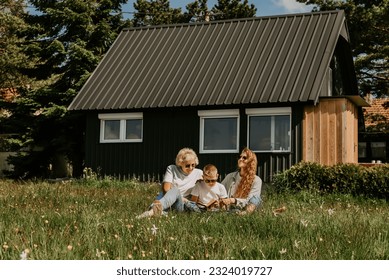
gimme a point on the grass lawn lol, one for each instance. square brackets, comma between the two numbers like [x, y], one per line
[96, 220]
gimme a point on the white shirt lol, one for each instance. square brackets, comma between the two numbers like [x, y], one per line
[180, 180]
[207, 194]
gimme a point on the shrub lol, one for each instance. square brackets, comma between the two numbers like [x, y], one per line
[375, 181]
[302, 176]
[341, 178]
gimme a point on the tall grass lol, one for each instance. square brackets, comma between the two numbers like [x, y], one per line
[96, 220]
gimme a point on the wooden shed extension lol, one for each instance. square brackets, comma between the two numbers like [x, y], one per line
[330, 132]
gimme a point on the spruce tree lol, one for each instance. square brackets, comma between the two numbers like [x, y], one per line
[67, 39]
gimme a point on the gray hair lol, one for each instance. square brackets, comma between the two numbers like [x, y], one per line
[186, 154]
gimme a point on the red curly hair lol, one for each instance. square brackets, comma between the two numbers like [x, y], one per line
[249, 171]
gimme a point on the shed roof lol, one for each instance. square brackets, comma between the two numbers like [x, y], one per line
[242, 61]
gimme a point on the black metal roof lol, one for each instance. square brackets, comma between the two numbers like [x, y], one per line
[242, 61]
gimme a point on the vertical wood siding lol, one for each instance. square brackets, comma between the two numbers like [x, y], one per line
[330, 132]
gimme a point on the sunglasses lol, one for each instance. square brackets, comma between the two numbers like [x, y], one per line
[242, 157]
[190, 165]
[209, 181]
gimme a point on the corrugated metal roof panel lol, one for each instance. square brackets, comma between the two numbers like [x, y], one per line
[242, 61]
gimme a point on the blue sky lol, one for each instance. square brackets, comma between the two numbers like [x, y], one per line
[264, 7]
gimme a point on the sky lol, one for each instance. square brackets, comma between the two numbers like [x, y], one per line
[264, 7]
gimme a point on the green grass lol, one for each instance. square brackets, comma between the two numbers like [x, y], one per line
[96, 220]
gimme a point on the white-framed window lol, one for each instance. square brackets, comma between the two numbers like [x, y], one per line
[121, 127]
[268, 129]
[219, 131]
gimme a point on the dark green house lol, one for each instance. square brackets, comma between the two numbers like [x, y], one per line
[284, 86]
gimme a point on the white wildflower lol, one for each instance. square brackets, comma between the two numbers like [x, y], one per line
[154, 230]
[24, 254]
[304, 223]
[283, 251]
[331, 211]
[205, 238]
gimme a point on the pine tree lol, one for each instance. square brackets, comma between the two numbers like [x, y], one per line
[156, 12]
[67, 39]
[229, 9]
[12, 56]
[198, 11]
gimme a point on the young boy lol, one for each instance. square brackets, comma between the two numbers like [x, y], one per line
[206, 193]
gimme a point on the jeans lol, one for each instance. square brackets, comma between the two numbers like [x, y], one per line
[171, 200]
[255, 200]
[191, 206]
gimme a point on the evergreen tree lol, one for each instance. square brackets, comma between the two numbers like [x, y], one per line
[12, 56]
[229, 9]
[368, 23]
[156, 12]
[198, 11]
[12, 60]
[67, 38]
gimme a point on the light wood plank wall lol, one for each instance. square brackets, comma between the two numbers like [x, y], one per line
[330, 132]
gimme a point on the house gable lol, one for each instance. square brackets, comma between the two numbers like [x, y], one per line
[243, 61]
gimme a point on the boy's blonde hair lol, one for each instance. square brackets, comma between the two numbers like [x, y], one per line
[210, 170]
[186, 154]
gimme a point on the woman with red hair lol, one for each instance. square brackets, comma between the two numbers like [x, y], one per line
[243, 186]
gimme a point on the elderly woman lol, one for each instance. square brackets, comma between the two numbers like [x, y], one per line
[243, 186]
[177, 184]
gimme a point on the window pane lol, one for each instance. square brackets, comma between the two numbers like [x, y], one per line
[281, 133]
[220, 134]
[260, 133]
[378, 150]
[111, 129]
[362, 149]
[133, 129]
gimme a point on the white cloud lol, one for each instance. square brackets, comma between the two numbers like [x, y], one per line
[292, 6]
